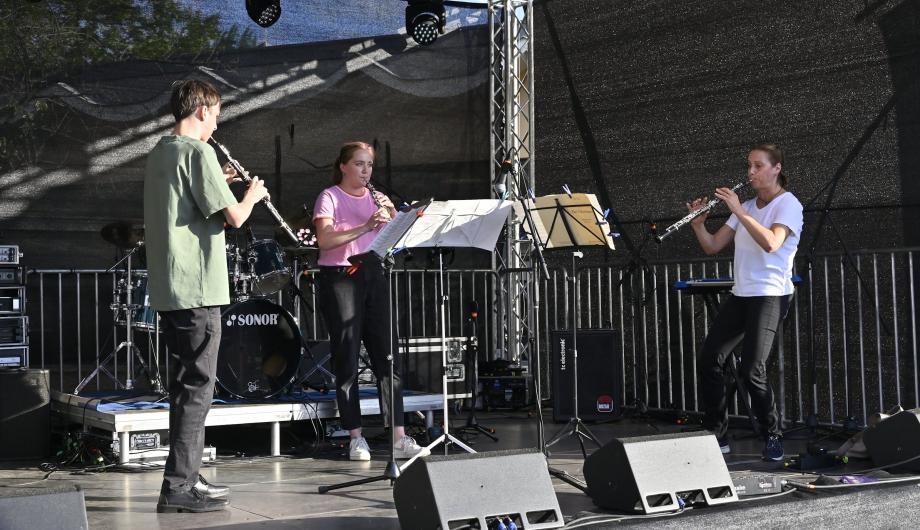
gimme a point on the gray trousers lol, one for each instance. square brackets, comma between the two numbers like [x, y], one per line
[193, 338]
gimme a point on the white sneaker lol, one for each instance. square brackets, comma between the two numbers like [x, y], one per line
[407, 448]
[358, 449]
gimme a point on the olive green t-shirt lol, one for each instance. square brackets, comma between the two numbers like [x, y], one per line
[184, 195]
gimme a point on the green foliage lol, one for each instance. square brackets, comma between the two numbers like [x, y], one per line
[46, 41]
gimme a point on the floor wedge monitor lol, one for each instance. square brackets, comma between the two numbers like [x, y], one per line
[659, 473]
[477, 490]
[895, 441]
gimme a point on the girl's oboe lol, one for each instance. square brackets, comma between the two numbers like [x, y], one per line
[696, 213]
[265, 201]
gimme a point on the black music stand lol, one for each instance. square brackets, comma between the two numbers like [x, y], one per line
[453, 224]
[381, 252]
[572, 221]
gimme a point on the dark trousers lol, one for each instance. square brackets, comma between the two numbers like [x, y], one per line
[193, 338]
[752, 322]
[356, 308]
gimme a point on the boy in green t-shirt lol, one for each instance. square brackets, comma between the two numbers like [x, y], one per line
[186, 202]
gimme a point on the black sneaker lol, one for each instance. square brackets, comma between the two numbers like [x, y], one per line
[773, 449]
[723, 445]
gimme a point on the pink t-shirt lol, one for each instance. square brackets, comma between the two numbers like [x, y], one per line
[346, 212]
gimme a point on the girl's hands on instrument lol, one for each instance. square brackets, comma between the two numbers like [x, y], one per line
[380, 217]
[696, 205]
[383, 200]
[731, 200]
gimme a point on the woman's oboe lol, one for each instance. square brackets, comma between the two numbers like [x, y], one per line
[696, 213]
[265, 201]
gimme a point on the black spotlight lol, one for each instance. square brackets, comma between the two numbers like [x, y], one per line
[425, 20]
[264, 12]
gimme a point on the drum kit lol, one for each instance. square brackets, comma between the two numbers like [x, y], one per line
[261, 343]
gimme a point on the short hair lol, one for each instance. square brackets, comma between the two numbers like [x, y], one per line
[346, 153]
[189, 94]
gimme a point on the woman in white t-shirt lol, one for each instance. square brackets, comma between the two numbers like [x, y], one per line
[765, 231]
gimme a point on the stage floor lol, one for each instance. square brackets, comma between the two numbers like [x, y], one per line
[275, 493]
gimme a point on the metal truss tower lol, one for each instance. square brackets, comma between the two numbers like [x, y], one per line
[511, 116]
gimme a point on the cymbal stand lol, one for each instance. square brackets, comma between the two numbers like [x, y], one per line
[128, 344]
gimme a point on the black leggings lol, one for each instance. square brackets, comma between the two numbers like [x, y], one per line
[356, 308]
[753, 320]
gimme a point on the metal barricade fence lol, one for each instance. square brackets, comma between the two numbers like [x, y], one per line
[856, 339]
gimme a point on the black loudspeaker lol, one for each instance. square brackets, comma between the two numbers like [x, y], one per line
[659, 473]
[474, 490]
[600, 365]
[895, 439]
[25, 413]
[34, 508]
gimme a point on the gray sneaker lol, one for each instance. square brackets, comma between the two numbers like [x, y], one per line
[407, 448]
[358, 449]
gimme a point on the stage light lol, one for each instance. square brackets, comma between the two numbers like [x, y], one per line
[425, 20]
[264, 12]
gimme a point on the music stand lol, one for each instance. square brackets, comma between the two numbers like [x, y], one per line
[381, 252]
[571, 221]
[455, 224]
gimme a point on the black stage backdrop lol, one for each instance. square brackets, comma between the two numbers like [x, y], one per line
[286, 111]
[651, 103]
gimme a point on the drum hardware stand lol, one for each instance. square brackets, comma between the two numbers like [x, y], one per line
[472, 425]
[128, 344]
[328, 377]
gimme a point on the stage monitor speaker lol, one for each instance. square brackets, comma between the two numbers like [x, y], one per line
[25, 413]
[600, 368]
[894, 440]
[475, 490]
[659, 473]
[35, 508]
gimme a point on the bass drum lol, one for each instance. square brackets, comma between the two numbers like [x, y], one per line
[260, 349]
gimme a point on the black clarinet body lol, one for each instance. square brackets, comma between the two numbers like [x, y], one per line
[266, 202]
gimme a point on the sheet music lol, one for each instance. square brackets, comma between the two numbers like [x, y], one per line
[588, 227]
[389, 236]
[460, 223]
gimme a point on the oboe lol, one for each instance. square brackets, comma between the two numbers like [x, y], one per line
[370, 188]
[265, 201]
[696, 213]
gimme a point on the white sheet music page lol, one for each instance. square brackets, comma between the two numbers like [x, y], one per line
[389, 236]
[460, 223]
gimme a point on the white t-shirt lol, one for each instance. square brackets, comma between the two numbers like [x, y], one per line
[761, 273]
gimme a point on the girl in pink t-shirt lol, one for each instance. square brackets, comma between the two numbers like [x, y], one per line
[355, 303]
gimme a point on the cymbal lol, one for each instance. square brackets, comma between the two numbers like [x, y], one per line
[122, 234]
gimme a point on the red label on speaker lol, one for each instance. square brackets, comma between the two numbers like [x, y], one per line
[604, 403]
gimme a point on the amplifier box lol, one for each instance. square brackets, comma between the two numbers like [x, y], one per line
[421, 369]
[12, 300]
[14, 356]
[600, 369]
[9, 254]
[12, 275]
[506, 392]
[14, 331]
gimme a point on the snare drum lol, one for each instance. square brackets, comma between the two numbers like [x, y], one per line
[142, 315]
[260, 349]
[270, 274]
